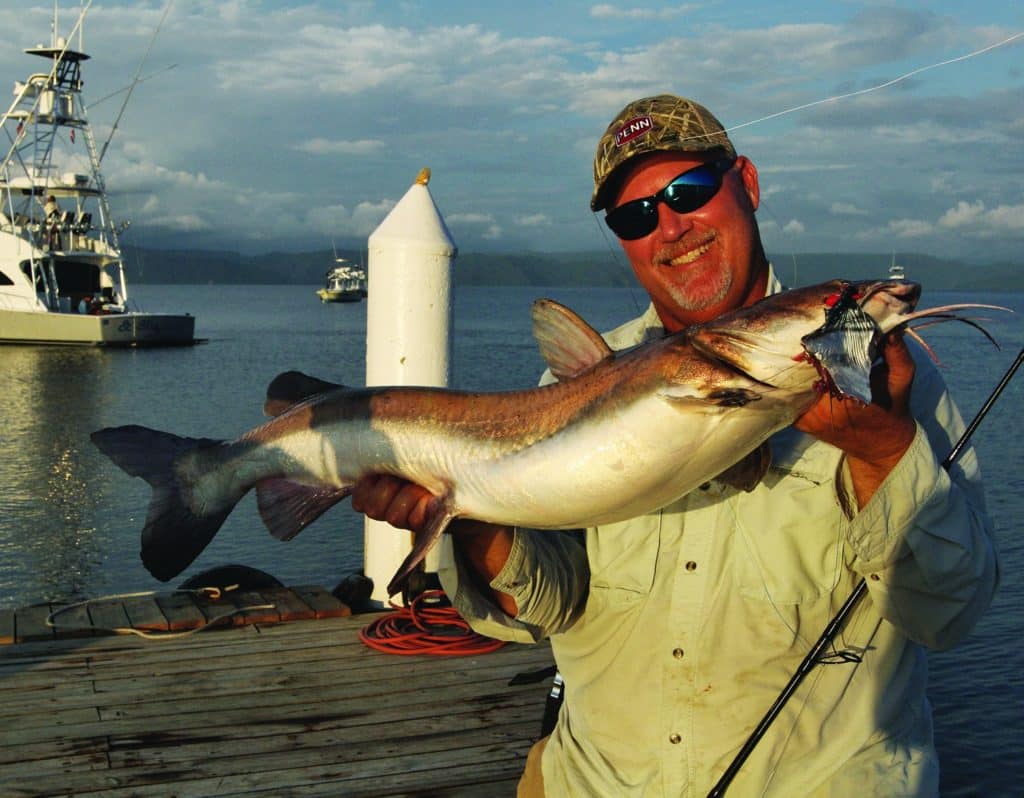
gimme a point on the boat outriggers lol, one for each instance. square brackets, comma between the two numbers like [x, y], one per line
[346, 282]
[61, 272]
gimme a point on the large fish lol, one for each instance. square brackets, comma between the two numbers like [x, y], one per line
[620, 434]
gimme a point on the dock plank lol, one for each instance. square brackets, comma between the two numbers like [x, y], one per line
[30, 624]
[280, 708]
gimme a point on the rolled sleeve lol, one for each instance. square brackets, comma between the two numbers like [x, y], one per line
[925, 544]
[546, 574]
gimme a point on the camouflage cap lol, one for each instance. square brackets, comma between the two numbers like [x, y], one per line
[654, 124]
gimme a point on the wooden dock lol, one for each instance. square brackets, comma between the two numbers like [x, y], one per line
[262, 707]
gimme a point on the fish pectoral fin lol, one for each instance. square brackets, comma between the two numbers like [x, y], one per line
[288, 389]
[684, 394]
[748, 472]
[438, 518]
[568, 344]
[288, 507]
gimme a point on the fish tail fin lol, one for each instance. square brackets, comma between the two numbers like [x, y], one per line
[438, 520]
[174, 535]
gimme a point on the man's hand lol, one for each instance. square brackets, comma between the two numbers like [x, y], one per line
[404, 505]
[873, 436]
[386, 498]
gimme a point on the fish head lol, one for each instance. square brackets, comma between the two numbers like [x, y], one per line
[810, 339]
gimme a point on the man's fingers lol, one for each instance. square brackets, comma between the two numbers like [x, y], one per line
[899, 370]
[386, 498]
[407, 509]
[373, 493]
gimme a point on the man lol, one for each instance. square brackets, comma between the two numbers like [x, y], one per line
[676, 631]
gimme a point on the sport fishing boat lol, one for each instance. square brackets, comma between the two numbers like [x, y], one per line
[896, 271]
[62, 276]
[346, 282]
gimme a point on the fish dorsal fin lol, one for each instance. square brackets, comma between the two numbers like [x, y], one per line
[567, 343]
[292, 387]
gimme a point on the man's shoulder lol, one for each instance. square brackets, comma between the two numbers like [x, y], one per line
[643, 328]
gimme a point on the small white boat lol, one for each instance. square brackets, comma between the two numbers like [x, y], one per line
[346, 282]
[896, 271]
[61, 272]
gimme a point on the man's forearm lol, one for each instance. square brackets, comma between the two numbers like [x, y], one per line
[486, 548]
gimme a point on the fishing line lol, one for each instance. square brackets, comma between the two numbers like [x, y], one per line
[616, 253]
[878, 87]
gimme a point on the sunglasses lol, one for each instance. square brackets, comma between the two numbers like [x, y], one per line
[686, 193]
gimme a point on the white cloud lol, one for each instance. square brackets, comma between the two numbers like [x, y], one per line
[1004, 219]
[910, 228]
[846, 209]
[470, 218]
[963, 214]
[321, 132]
[607, 11]
[184, 223]
[322, 146]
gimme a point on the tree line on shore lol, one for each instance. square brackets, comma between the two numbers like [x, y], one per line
[605, 269]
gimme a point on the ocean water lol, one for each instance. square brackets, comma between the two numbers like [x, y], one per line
[69, 519]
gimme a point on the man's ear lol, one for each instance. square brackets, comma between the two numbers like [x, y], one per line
[748, 174]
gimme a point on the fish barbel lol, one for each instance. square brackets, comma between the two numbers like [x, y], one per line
[619, 435]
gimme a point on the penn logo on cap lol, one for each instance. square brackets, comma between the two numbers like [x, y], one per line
[633, 129]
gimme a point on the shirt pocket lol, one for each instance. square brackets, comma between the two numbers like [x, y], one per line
[623, 558]
[788, 545]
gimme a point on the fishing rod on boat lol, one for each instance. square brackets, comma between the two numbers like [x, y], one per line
[136, 80]
[834, 626]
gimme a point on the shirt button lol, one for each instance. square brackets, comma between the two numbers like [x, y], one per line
[675, 739]
[691, 566]
[677, 653]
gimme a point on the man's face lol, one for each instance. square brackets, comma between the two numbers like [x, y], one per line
[696, 266]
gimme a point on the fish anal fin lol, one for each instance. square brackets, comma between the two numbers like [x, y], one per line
[438, 518]
[567, 343]
[288, 389]
[288, 507]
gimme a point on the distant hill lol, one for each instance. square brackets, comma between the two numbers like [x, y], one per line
[551, 269]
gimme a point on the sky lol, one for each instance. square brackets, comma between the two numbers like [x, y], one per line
[262, 125]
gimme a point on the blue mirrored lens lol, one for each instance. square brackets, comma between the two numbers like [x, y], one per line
[685, 194]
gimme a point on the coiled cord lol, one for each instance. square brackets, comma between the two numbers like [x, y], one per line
[429, 625]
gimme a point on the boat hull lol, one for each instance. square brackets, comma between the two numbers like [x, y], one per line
[327, 295]
[113, 330]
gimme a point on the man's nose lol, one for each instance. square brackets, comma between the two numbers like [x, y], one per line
[672, 225]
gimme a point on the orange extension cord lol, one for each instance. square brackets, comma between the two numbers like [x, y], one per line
[429, 625]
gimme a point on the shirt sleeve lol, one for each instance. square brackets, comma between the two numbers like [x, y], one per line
[924, 540]
[546, 573]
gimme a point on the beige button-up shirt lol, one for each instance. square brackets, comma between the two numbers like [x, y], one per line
[676, 631]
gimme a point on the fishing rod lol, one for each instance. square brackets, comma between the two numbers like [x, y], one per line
[834, 626]
[135, 81]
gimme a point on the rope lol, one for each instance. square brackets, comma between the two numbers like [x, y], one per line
[213, 593]
[429, 625]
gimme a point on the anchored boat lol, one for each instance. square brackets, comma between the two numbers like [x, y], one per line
[61, 272]
[346, 282]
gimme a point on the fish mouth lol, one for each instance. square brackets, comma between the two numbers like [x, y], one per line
[888, 302]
